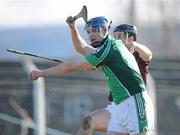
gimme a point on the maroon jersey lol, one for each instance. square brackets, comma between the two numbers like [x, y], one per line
[143, 67]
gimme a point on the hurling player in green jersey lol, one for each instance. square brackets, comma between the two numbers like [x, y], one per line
[132, 106]
[132, 109]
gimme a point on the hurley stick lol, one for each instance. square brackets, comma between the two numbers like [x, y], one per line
[33, 55]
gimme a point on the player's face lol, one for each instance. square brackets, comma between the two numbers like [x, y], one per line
[119, 36]
[122, 36]
[95, 36]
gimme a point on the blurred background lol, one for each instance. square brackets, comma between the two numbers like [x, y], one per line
[39, 27]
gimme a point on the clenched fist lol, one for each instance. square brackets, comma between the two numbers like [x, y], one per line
[70, 21]
[34, 75]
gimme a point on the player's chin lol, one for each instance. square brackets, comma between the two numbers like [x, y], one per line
[96, 44]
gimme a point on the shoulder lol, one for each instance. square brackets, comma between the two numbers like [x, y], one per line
[115, 42]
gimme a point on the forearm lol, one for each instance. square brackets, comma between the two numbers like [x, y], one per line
[63, 69]
[59, 70]
[79, 44]
[144, 52]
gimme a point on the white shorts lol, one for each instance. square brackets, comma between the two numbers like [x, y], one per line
[134, 115]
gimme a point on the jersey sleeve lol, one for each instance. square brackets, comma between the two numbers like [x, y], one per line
[143, 66]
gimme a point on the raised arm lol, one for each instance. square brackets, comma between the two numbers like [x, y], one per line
[79, 44]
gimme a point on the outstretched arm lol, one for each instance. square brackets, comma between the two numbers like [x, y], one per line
[62, 69]
[79, 44]
[144, 52]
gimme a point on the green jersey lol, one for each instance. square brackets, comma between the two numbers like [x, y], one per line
[120, 69]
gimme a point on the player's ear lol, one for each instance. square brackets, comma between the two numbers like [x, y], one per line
[105, 30]
[119, 35]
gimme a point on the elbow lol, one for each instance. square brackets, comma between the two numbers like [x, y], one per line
[81, 51]
[80, 47]
[148, 57]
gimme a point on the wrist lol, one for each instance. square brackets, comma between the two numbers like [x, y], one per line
[72, 26]
[43, 73]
